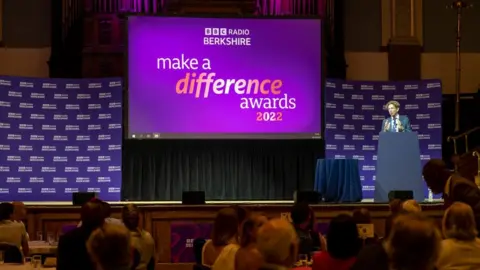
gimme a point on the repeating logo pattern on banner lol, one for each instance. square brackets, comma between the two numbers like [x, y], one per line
[355, 111]
[58, 137]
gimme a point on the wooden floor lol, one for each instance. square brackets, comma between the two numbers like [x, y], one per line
[157, 218]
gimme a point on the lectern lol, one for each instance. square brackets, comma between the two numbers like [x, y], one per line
[398, 165]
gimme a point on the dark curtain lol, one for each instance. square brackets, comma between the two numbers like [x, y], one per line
[159, 170]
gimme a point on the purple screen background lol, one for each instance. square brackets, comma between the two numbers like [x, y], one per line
[182, 236]
[285, 49]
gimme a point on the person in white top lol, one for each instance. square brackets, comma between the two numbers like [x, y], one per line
[219, 252]
[11, 232]
[461, 247]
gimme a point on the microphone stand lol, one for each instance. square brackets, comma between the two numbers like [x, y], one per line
[459, 5]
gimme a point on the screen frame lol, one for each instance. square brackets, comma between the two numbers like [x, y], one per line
[225, 136]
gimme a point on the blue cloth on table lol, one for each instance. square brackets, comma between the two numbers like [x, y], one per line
[338, 180]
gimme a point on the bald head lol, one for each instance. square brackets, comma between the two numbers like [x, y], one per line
[277, 241]
[411, 206]
[19, 210]
[92, 215]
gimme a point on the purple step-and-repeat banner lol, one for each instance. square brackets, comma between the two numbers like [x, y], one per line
[184, 233]
[354, 114]
[60, 136]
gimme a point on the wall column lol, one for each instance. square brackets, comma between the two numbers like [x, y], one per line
[1, 20]
[402, 35]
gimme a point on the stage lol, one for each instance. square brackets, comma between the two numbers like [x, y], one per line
[174, 225]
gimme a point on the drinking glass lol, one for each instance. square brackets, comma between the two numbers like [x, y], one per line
[50, 238]
[2, 256]
[303, 259]
[37, 262]
[39, 236]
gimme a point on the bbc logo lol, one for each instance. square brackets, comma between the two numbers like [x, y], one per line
[215, 31]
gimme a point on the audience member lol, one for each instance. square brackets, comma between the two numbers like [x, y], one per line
[413, 244]
[242, 214]
[395, 208]
[343, 245]
[107, 212]
[454, 187]
[219, 251]
[277, 242]
[309, 241]
[319, 242]
[362, 217]
[248, 257]
[109, 247]
[411, 206]
[72, 251]
[142, 241]
[20, 214]
[11, 232]
[461, 247]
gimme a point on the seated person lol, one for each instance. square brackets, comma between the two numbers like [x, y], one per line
[221, 249]
[142, 241]
[12, 232]
[72, 249]
[309, 240]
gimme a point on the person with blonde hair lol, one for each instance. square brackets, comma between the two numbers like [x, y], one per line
[461, 247]
[277, 241]
[109, 247]
[411, 206]
[414, 243]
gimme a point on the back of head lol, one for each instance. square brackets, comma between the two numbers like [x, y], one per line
[277, 242]
[131, 216]
[109, 247]
[434, 173]
[19, 209]
[107, 210]
[362, 216]
[92, 215]
[342, 237]
[459, 222]
[250, 228]
[300, 213]
[411, 206]
[225, 227]
[395, 206]
[6, 211]
[242, 213]
[413, 243]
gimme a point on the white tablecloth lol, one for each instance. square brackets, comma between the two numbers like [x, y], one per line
[40, 247]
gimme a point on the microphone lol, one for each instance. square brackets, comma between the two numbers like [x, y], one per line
[387, 126]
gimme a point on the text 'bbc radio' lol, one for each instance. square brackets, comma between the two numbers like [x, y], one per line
[227, 37]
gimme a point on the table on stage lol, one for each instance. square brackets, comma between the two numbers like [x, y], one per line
[338, 180]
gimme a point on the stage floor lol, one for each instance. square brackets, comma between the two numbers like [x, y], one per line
[269, 202]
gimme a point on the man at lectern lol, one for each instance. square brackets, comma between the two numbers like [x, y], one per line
[396, 122]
